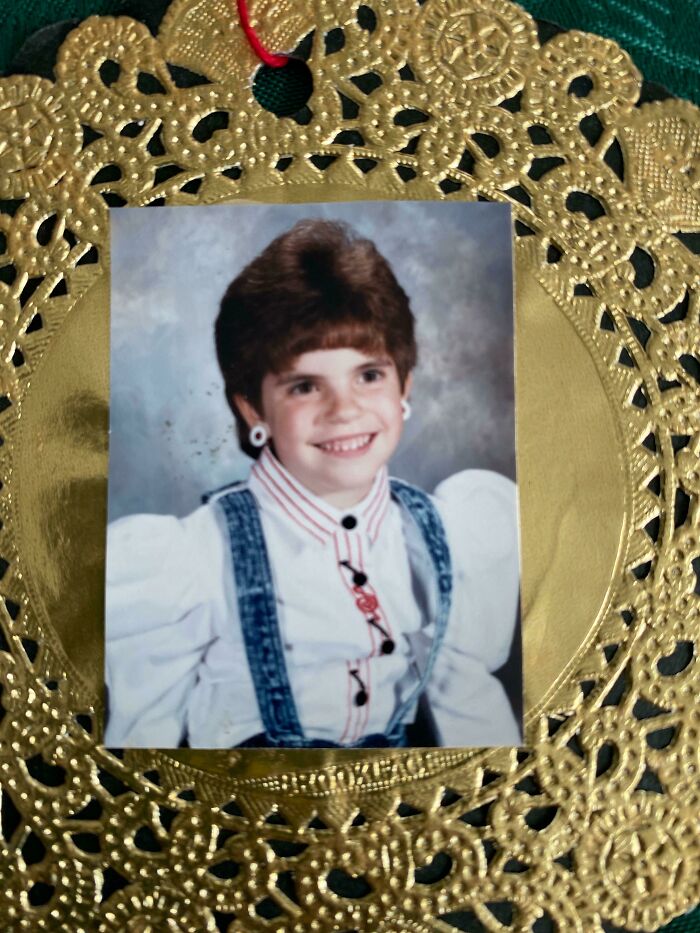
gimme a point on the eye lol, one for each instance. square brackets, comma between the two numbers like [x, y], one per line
[305, 387]
[372, 375]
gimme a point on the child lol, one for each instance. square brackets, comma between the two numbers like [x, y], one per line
[319, 603]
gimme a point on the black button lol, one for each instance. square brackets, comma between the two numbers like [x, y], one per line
[360, 698]
[388, 646]
[349, 522]
[359, 578]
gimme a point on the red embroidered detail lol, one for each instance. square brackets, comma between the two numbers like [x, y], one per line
[365, 602]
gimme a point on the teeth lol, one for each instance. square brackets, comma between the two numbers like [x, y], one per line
[351, 444]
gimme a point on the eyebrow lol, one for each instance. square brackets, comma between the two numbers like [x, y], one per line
[286, 378]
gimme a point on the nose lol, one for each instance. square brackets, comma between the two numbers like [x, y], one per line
[342, 406]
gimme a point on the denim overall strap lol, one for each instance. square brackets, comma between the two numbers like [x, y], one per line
[258, 616]
[422, 511]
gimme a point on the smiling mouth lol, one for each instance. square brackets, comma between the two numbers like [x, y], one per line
[353, 445]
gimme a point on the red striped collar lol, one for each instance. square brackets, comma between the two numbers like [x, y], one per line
[276, 489]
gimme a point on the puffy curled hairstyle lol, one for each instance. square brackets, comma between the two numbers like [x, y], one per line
[317, 286]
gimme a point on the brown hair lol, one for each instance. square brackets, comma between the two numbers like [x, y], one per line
[317, 286]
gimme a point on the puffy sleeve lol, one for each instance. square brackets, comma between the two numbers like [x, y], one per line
[159, 619]
[480, 515]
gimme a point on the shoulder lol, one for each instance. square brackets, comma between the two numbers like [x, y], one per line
[480, 515]
[480, 512]
[145, 546]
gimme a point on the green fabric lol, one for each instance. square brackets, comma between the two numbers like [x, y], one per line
[690, 923]
[662, 36]
[20, 18]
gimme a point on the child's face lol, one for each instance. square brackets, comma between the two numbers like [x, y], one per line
[335, 419]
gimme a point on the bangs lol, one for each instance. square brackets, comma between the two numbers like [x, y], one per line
[327, 335]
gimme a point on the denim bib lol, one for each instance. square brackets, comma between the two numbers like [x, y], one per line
[257, 610]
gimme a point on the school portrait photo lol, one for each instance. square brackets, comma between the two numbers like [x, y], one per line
[313, 511]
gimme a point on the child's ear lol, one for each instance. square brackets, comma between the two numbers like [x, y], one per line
[408, 383]
[248, 411]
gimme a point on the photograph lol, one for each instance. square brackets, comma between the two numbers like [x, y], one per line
[313, 536]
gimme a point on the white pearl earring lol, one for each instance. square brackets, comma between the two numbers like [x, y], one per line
[406, 409]
[258, 435]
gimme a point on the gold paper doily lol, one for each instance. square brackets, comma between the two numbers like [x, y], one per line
[596, 820]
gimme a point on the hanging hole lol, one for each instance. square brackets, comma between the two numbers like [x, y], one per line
[283, 91]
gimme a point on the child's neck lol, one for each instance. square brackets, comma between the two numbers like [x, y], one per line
[345, 498]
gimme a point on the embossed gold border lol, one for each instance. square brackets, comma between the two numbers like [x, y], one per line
[596, 819]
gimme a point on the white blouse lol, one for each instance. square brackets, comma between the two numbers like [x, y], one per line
[176, 664]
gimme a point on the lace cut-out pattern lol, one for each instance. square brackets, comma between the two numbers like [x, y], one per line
[595, 821]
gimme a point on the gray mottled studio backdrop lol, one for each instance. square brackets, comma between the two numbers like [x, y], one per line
[172, 434]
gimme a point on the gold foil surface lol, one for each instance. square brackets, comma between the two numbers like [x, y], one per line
[597, 818]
